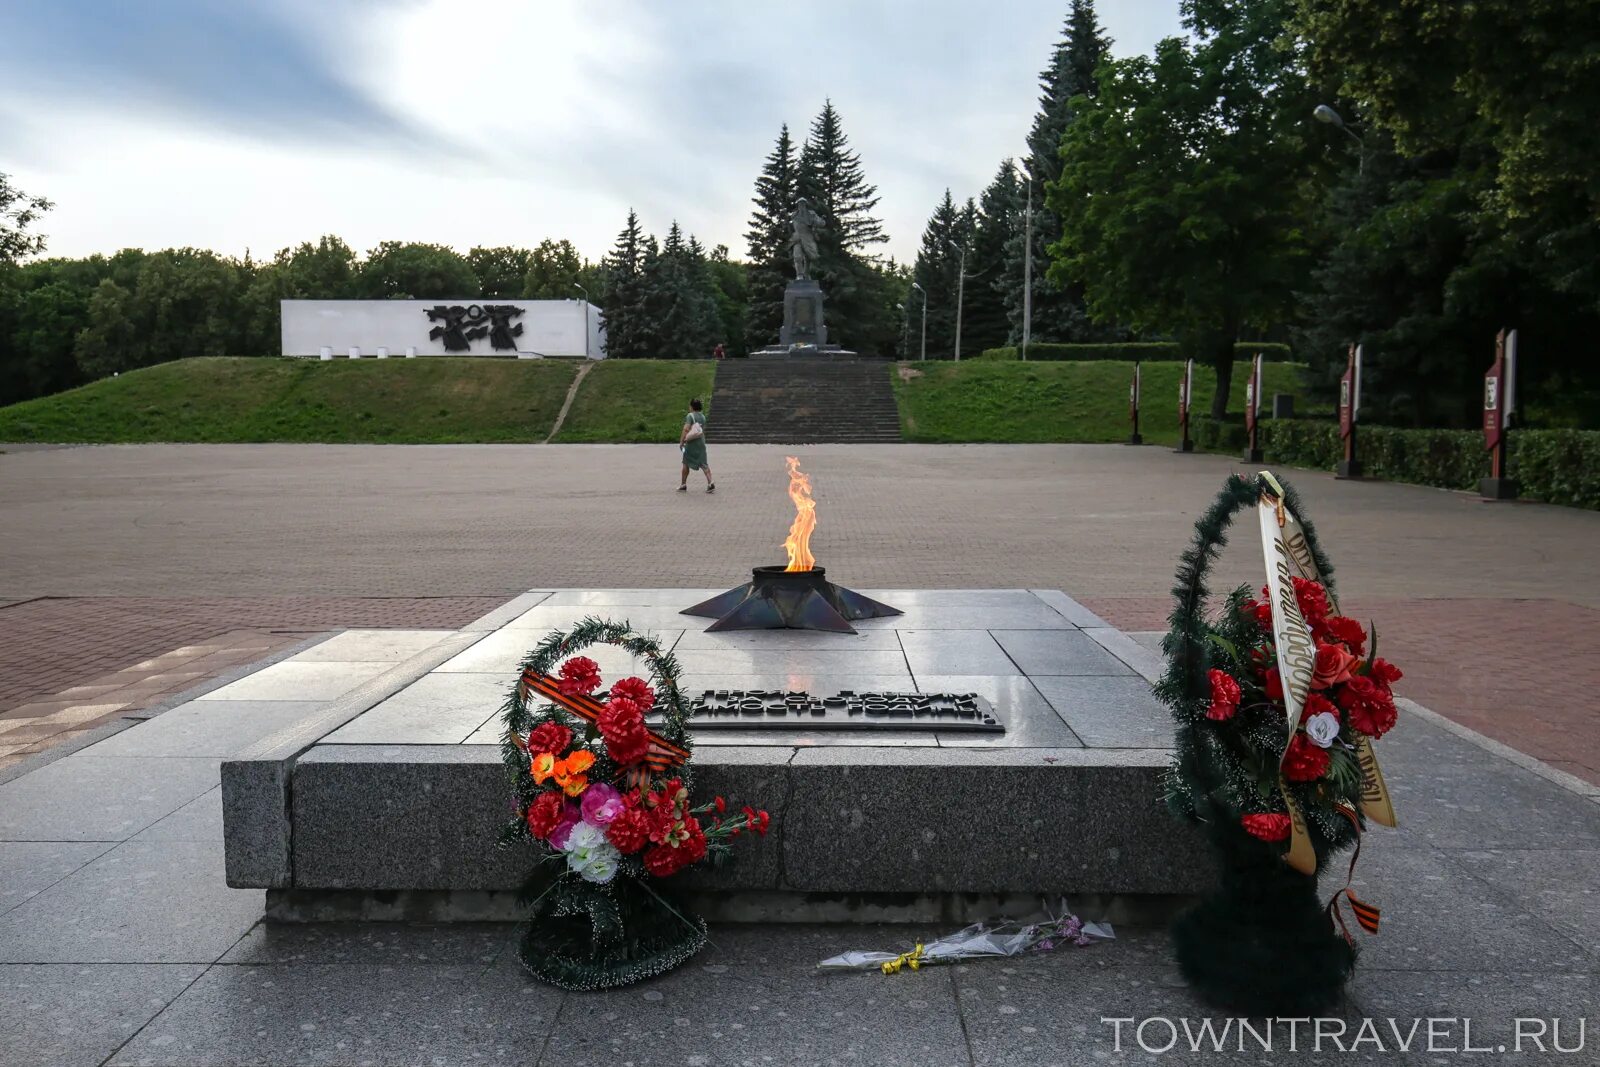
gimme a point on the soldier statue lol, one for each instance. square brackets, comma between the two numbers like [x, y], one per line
[804, 241]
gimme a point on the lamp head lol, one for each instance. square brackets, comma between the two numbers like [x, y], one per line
[1324, 113]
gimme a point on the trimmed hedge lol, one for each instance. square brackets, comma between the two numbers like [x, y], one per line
[1554, 466]
[1142, 351]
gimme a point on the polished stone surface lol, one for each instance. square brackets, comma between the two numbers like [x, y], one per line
[27, 868]
[67, 800]
[150, 901]
[207, 728]
[327, 1014]
[76, 1016]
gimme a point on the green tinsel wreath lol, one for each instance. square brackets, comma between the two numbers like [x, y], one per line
[1261, 942]
[584, 935]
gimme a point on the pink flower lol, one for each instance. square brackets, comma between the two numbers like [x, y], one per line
[570, 817]
[601, 804]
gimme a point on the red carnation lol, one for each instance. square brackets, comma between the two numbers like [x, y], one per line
[544, 814]
[762, 821]
[1334, 664]
[1313, 600]
[1347, 631]
[1267, 827]
[580, 676]
[1385, 672]
[1273, 683]
[549, 737]
[693, 845]
[636, 690]
[622, 726]
[1358, 690]
[663, 861]
[1374, 717]
[629, 831]
[1224, 696]
[1305, 762]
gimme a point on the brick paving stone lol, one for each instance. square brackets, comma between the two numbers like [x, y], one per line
[137, 558]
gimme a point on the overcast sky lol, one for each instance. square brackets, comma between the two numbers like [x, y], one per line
[234, 124]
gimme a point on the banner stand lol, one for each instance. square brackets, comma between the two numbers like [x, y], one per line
[1185, 396]
[1499, 401]
[1134, 438]
[1349, 411]
[1252, 416]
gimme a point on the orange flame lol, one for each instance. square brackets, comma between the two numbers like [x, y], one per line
[798, 542]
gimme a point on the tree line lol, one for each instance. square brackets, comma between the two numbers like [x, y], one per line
[1451, 188]
[1186, 195]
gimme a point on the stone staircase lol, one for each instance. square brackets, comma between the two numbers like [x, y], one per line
[757, 401]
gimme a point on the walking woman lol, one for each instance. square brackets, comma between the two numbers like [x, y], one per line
[692, 442]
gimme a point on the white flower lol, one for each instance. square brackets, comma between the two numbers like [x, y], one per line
[602, 865]
[584, 837]
[1322, 728]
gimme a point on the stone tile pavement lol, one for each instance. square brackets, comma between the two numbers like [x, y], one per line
[69, 665]
[120, 943]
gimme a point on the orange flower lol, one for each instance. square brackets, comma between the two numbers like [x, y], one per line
[569, 772]
[544, 765]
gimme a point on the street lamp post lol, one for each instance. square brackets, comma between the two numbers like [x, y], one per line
[924, 293]
[1027, 273]
[905, 324]
[1324, 113]
[961, 288]
[585, 293]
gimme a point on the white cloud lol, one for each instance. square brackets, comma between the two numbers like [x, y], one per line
[536, 120]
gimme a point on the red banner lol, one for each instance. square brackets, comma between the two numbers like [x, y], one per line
[1494, 395]
[1347, 398]
[1252, 396]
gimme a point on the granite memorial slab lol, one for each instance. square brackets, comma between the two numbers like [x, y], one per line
[1006, 724]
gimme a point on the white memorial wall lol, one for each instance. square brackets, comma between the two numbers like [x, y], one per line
[462, 327]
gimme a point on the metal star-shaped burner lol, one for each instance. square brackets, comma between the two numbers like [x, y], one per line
[796, 597]
[776, 598]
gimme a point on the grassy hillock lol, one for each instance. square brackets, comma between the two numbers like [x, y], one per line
[636, 400]
[1070, 402]
[394, 401]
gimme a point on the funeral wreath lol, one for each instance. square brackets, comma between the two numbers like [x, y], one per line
[605, 799]
[1278, 699]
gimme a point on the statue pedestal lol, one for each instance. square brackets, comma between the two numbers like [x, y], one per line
[803, 324]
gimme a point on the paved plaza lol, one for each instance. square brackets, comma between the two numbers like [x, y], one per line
[164, 574]
[167, 547]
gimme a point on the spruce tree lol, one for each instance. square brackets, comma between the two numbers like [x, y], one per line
[937, 270]
[768, 237]
[832, 179]
[680, 302]
[999, 224]
[1058, 309]
[625, 292]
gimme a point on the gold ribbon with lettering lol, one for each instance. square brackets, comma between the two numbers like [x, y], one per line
[1375, 800]
[1297, 656]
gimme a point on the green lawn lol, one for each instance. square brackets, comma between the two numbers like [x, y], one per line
[395, 401]
[637, 400]
[1074, 402]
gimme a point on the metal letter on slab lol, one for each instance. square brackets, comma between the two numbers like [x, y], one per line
[772, 709]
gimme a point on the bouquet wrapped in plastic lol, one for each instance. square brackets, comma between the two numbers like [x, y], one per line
[978, 941]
